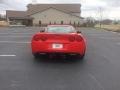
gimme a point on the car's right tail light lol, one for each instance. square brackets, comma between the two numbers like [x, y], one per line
[79, 38]
[71, 38]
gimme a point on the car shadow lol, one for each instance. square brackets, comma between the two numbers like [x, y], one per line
[57, 59]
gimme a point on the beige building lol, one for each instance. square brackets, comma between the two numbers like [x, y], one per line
[44, 14]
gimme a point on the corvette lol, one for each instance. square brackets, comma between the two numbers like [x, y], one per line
[59, 39]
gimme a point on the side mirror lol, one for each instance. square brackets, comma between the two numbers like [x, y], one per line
[79, 32]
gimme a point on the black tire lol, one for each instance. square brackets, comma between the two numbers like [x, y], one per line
[36, 55]
[81, 57]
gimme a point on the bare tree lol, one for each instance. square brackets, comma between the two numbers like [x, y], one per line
[90, 22]
[0, 16]
[34, 1]
[100, 12]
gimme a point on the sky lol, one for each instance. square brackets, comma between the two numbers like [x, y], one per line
[108, 9]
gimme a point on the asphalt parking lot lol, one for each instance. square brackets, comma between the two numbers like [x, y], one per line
[100, 70]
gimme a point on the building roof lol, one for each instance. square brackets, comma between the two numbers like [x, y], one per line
[35, 8]
[58, 10]
[19, 18]
[68, 8]
[11, 13]
[17, 14]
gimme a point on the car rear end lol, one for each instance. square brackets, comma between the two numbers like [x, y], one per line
[58, 43]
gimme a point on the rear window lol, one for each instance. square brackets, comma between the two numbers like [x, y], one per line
[60, 30]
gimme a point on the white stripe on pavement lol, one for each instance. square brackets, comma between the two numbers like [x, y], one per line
[13, 42]
[7, 55]
[17, 33]
[118, 43]
[114, 32]
[15, 36]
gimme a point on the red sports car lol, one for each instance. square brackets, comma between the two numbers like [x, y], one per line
[59, 39]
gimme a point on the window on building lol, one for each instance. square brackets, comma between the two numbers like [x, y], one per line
[40, 22]
[61, 22]
[50, 23]
[74, 23]
[54, 22]
[70, 23]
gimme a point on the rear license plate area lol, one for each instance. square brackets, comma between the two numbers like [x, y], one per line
[57, 46]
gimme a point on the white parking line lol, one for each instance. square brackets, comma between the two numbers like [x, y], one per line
[17, 33]
[113, 38]
[114, 32]
[14, 42]
[7, 55]
[15, 36]
[118, 43]
[96, 81]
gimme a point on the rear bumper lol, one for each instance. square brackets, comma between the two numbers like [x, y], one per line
[68, 48]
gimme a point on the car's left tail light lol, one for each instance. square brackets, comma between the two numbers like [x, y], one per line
[38, 38]
[43, 38]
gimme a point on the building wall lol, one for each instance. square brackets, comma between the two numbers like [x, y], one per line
[55, 16]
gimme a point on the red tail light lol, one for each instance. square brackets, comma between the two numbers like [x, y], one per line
[43, 38]
[37, 38]
[71, 38]
[79, 38]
